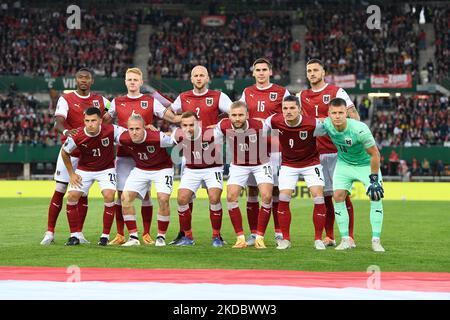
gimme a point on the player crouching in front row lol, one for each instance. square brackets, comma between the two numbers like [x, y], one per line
[96, 145]
[153, 164]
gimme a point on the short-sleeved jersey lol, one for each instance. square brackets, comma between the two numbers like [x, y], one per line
[96, 152]
[352, 142]
[249, 145]
[200, 152]
[150, 154]
[264, 102]
[124, 106]
[314, 103]
[207, 106]
[71, 107]
[298, 142]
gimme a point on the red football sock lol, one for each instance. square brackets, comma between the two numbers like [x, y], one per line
[284, 217]
[108, 217]
[82, 211]
[252, 215]
[329, 224]
[319, 219]
[236, 218]
[72, 216]
[163, 224]
[276, 224]
[120, 223]
[185, 216]
[263, 219]
[215, 215]
[351, 216]
[130, 221]
[147, 214]
[54, 209]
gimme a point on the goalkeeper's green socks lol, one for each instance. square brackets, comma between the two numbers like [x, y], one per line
[342, 220]
[376, 218]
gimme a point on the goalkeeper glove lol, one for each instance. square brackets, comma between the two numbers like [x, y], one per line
[375, 190]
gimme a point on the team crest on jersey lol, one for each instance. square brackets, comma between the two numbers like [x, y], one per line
[205, 145]
[326, 98]
[150, 149]
[252, 138]
[144, 104]
[303, 135]
[96, 103]
[209, 101]
[273, 96]
[105, 142]
[348, 141]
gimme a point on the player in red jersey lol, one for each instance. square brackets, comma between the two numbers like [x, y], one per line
[314, 103]
[68, 117]
[95, 143]
[247, 141]
[203, 165]
[208, 105]
[263, 99]
[153, 165]
[121, 109]
[297, 136]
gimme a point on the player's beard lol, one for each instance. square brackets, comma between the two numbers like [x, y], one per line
[200, 88]
[319, 80]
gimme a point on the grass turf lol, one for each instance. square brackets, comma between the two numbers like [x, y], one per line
[413, 235]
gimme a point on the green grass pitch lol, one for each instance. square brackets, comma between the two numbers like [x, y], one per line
[415, 236]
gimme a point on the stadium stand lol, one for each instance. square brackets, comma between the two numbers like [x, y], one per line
[441, 22]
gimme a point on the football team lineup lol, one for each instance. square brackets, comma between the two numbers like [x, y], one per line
[273, 138]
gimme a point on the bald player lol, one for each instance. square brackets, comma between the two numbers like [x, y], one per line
[207, 104]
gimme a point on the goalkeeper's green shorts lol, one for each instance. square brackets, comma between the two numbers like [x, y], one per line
[345, 174]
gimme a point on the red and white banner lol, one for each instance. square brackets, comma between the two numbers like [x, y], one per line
[346, 81]
[214, 21]
[391, 81]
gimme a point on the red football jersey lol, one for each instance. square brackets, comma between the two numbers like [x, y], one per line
[124, 106]
[298, 143]
[150, 154]
[96, 152]
[262, 103]
[71, 106]
[249, 146]
[200, 152]
[315, 104]
[207, 106]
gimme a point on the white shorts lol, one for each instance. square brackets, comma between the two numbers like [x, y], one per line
[61, 174]
[328, 162]
[240, 174]
[140, 181]
[275, 163]
[193, 178]
[106, 179]
[124, 165]
[289, 176]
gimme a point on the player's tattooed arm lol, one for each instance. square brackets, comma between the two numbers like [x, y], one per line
[353, 113]
[59, 126]
[171, 117]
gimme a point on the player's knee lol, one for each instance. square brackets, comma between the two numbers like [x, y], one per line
[214, 198]
[126, 199]
[266, 198]
[73, 197]
[339, 196]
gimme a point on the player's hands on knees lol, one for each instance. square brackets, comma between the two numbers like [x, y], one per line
[76, 181]
[375, 190]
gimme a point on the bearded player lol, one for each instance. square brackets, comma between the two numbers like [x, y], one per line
[69, 116]
[314, 102]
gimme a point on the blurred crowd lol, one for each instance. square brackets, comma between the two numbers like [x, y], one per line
[178, 43]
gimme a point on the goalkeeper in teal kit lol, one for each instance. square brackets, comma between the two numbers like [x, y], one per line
[358, 160]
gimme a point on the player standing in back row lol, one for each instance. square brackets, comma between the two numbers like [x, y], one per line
[263, 99]
[69, 116]
[314, 103]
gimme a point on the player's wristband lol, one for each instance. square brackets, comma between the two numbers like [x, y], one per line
[64, 132]
[373, 178]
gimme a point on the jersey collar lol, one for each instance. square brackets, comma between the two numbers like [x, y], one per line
[199, 94]
[92, 136]
[145, 137]
[82, 97]
[265, 88]
[319, 90]
[137, 97]
[297, 124]
[241, 130]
